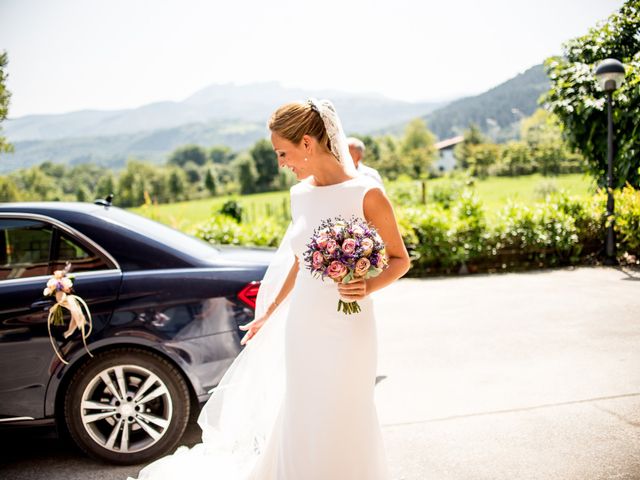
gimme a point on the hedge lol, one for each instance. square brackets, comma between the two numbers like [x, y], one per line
[453, 235]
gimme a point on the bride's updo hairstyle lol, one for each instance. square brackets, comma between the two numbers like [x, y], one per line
[294, 120]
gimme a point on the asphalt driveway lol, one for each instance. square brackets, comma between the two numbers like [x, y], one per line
[510, 376]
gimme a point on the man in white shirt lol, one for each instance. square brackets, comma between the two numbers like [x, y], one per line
[357, 149]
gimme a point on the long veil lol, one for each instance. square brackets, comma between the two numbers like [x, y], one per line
[240, 414]
[243, 407]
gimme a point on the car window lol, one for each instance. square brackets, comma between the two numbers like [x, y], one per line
[81, 258]
[24, 248]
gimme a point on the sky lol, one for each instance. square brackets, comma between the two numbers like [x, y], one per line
[68, 55]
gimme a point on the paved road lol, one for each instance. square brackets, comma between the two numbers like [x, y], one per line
[511, 376]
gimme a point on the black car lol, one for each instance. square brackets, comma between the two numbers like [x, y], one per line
[166, 310]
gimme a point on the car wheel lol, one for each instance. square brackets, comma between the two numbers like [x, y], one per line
[127, 406]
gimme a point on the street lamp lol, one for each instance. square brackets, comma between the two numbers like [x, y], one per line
[610, 75]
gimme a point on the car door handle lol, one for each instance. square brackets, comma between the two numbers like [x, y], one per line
[44, 304]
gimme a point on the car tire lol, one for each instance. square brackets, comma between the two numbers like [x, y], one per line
[146, 422]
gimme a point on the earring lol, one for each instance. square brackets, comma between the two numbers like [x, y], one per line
[305, 159]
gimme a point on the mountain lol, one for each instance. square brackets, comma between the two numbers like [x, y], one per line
[228, 114]
[496, 111]
[236, 115]
[113, 150]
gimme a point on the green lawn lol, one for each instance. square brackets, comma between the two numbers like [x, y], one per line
[493, 192]
[184, 215]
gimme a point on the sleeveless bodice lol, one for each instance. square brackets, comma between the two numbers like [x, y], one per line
[311, 204]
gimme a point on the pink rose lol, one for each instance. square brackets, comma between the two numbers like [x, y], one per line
[367, 245]
[331, 245]
[322, 239]
[317, 259]
[362, 267]
[337, 270]
[349, 245]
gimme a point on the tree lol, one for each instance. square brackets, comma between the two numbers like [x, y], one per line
[246, 173]
[472, 136]
[551, 155]
[105, 186]
[220, 154]
[83, 194]
[418, 147]
[177, 184]
[5, 96]
[516, 159]
[482, 157]
[8, 190]
[192, 172]
[37, 185]
[579, 104]
[372, 150]
[210, 182]
[188, 153]
[391, 163]
[140, 177]
[266, 164]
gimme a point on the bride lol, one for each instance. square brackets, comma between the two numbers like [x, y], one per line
[298, 402]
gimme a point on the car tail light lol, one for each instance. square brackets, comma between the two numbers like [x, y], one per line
[249, 294]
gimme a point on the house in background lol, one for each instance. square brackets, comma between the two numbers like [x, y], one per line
[446, 161]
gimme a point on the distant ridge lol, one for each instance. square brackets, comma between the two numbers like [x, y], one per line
[495, 111]
[236, 116]
[232, 115]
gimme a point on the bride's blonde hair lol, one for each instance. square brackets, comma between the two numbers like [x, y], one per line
[294, 120]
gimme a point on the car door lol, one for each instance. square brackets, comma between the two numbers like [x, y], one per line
[31, 248]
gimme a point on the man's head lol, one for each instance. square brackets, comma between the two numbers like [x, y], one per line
[356, 149]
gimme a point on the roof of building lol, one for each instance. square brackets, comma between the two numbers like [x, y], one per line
[449, 142]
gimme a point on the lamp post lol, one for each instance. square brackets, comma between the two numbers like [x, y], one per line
[610, 75]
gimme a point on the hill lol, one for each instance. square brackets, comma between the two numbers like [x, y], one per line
[496, 111]
[232, 115]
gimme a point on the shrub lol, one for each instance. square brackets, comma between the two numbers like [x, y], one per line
[445, 193]
[225, 230]
[447, 236]
[233, 209]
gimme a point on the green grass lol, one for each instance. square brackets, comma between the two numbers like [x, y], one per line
[493, 192]
[185, 215]
[496, 191]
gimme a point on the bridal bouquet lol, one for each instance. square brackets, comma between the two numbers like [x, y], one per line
[61, 286]
[344, 250]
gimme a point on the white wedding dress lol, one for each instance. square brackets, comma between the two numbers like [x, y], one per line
[328, 425]
[314, 372]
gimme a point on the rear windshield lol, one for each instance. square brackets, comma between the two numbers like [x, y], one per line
[162, 233]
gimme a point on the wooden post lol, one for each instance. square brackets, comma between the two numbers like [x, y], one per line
[424, 192]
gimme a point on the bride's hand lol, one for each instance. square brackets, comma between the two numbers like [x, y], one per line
[252, 328]
[353, 291]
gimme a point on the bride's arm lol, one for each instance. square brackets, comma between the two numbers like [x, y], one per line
[379, 212]
[287, 286]
[255, 325]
